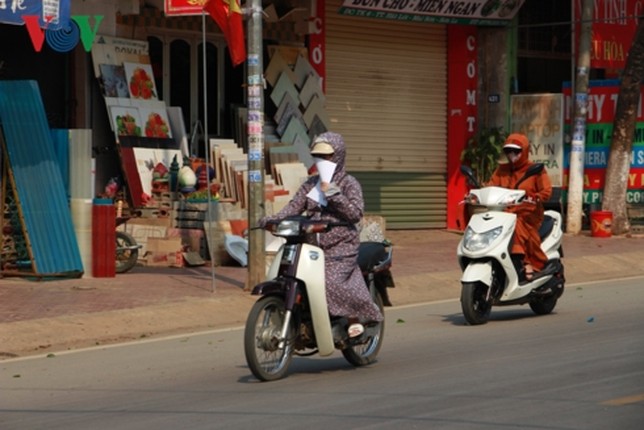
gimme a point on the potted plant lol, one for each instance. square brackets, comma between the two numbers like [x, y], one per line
[483, 151]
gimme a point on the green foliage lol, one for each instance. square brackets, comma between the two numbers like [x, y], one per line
[483, 151]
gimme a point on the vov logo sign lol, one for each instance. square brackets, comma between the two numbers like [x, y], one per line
[65, 39]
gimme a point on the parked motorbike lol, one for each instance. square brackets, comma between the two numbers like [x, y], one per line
[491, 274]
[291, 316]
[127, 250]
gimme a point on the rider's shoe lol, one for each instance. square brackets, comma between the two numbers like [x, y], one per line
[355, 330]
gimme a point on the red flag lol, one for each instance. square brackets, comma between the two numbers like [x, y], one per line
[227, 15]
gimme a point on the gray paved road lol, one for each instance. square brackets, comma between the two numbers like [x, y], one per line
[580, 368]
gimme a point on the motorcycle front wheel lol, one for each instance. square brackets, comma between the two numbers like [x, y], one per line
[474, 303]
[126, 253]
[266, 359]
[366, 351]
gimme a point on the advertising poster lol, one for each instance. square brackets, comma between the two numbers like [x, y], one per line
[613, 29]
[602, 102]
[540, 117]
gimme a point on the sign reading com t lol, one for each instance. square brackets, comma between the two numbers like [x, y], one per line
[473, 12]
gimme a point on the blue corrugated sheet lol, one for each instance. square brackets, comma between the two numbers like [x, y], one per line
[40, 188]
[60, 139]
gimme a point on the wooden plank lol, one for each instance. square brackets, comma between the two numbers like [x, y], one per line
[291, 175]
[216, 147]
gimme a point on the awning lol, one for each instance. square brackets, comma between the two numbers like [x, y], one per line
[472, 12]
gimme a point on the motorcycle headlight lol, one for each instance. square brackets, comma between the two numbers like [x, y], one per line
[473, 241]
[287, 228]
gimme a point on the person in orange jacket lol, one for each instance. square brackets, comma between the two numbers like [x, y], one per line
[538, 188]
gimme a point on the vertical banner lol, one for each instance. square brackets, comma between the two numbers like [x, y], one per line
[317, 54]
[462, 111]
[540, 117]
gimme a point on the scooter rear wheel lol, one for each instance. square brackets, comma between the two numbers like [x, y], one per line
[545, 305]
[474, 303]
[266, 359]
[365, 352]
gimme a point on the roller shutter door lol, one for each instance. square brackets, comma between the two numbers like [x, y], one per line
[386, 86]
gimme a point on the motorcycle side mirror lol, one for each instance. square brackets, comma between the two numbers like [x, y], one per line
[469, 174]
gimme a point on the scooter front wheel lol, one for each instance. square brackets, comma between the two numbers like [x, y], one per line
[474, 303]
[267, 357]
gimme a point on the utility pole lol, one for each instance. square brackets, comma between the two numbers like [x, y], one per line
[577, 150]
[255, 85]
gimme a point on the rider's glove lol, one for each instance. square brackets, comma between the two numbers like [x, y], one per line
[332, 190]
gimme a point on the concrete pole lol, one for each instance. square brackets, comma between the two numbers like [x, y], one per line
[577, 150]
[256, 258]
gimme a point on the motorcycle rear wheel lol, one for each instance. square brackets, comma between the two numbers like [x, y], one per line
[366, 352]
[265, 358]
[474, 304]
[125, 258]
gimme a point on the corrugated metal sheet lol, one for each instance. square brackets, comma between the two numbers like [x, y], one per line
[386, 87]
[60, 140]
[38, 182]
[406, 200]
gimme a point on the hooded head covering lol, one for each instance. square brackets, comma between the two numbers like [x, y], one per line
[330, 140]
[519, 141]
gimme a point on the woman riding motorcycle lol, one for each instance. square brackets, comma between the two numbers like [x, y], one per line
[346, 292]
[527, 243]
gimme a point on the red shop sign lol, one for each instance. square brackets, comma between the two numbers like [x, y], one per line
[184, 7]
[613, 28]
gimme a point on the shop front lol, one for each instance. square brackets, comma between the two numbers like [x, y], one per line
[150, 85]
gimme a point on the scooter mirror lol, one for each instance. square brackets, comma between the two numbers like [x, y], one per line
[469, 174]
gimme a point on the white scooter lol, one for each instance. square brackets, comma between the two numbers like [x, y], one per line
[291, 316]
[491, 275]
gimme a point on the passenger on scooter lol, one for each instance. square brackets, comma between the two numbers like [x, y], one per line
[527, 243]
[346, 292]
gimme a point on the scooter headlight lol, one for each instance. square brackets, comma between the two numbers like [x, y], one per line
[287, 228]
[473, 241]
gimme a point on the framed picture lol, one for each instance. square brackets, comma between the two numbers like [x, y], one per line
[140, 81]
[114, 82]
[155, 123]
[126, 121]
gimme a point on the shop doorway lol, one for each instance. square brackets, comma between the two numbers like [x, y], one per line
[178, 65]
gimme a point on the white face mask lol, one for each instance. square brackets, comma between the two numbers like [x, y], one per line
[513, 156]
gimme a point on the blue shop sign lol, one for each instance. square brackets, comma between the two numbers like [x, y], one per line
[52, 14]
